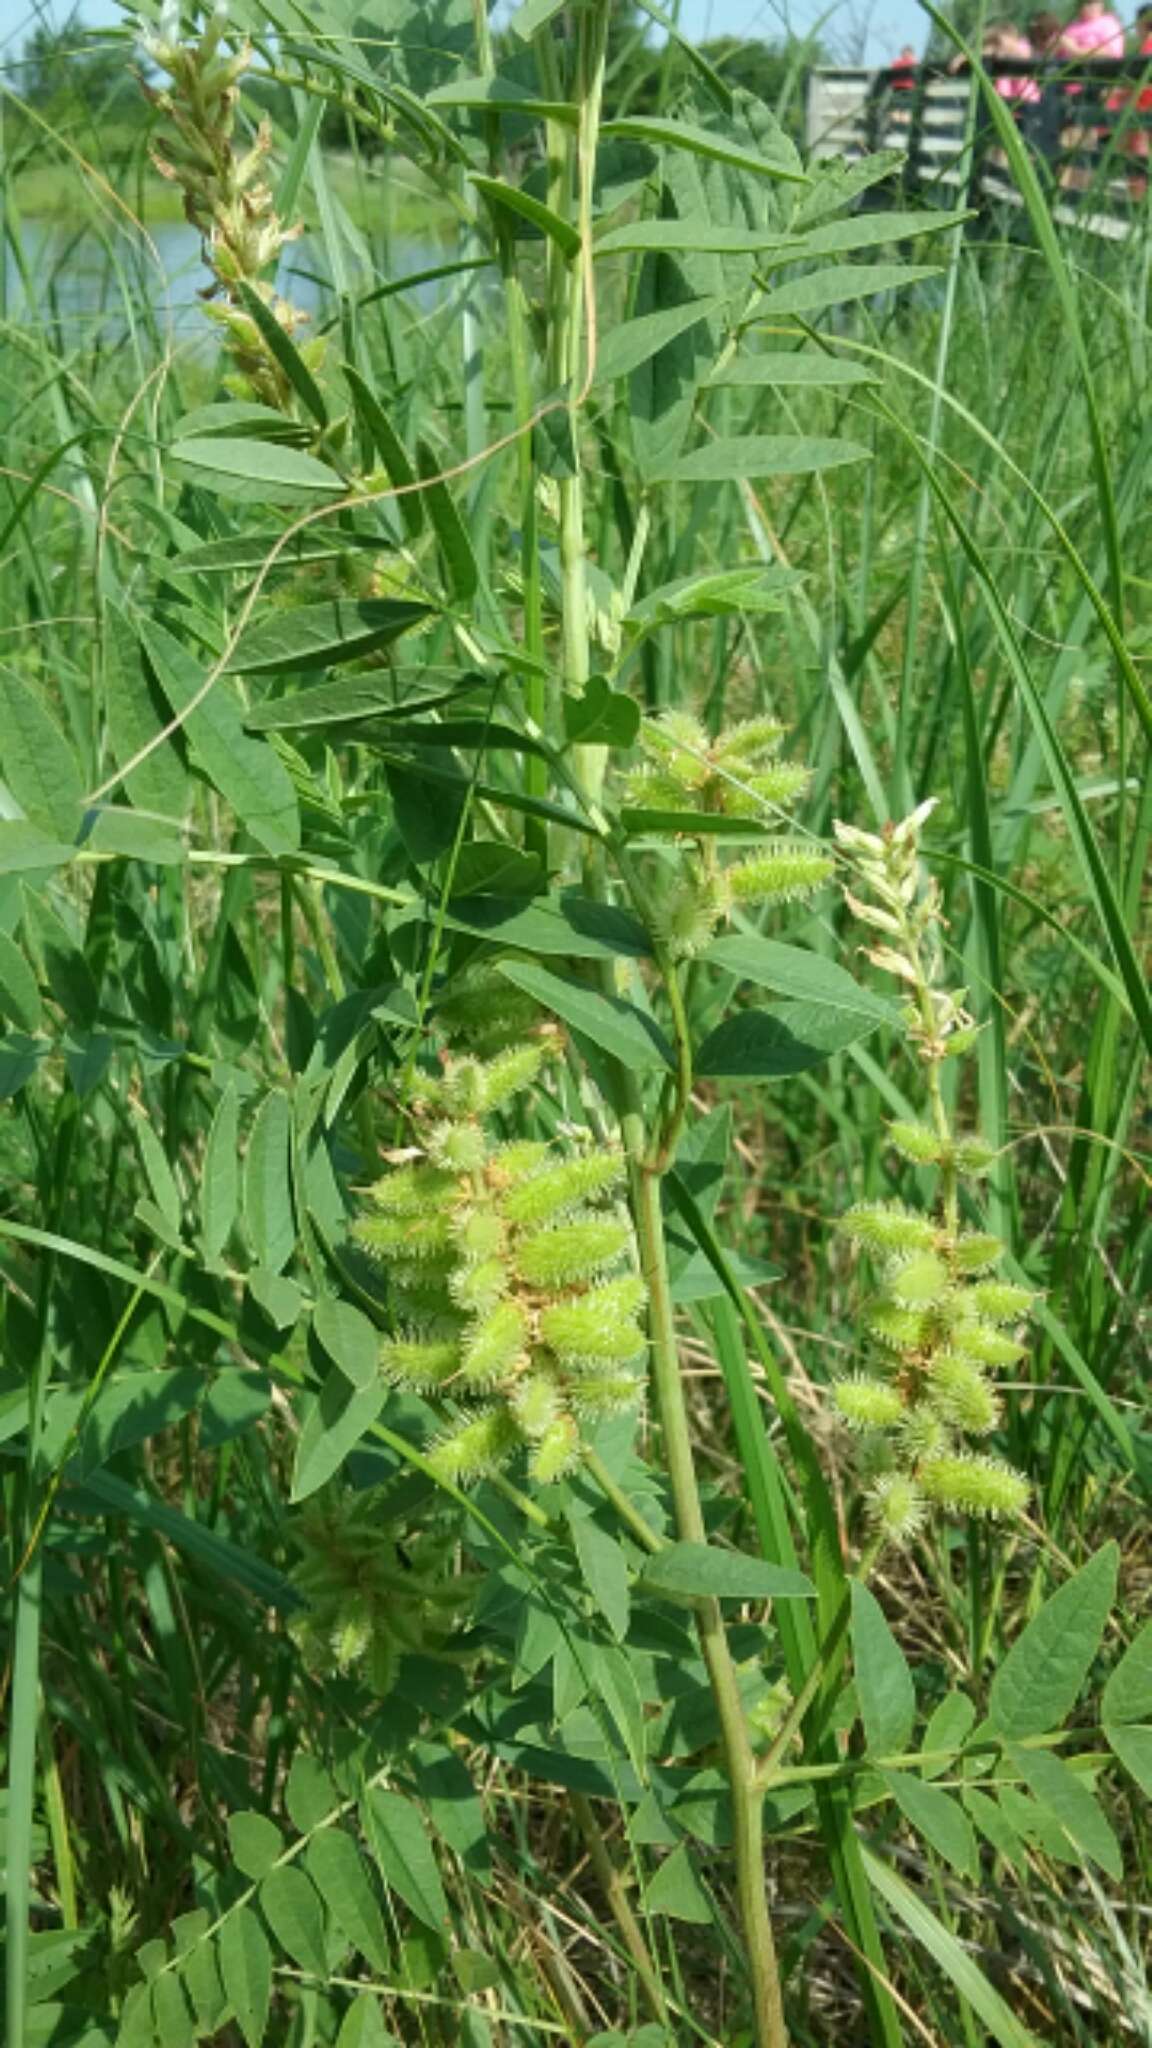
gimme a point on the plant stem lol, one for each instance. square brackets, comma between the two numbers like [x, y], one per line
[739, 1757]
[612, 1885]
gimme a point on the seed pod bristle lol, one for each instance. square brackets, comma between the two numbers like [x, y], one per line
[971, 1484]
[867, 1403]
[566, 1253]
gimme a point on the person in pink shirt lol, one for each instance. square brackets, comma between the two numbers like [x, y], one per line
[1094, 32]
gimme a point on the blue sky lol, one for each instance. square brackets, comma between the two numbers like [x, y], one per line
[882, 25]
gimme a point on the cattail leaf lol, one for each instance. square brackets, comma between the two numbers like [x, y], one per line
[338, 1869]
[883, 1680]
[949, 1955]
[381, 435]
[268, 1208]
[220, 1180]
[281, 345]
[291, 1905]
[246, 1972]
[398, 1835]
[1042, 1675]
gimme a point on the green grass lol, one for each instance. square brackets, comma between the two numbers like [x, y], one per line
[223, 999]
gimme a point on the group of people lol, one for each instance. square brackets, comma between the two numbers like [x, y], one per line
[1093, 32]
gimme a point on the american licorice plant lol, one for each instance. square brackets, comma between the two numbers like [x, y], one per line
[440, 1613]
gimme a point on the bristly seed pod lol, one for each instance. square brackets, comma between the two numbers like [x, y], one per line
[497, 1260]
[937, 1321]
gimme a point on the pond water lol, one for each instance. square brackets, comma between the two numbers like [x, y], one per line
[87, 283]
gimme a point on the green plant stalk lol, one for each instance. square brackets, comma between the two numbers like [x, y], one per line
[612, 1885]
[739, 1756]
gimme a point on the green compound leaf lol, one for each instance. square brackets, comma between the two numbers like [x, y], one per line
[291, 1905]
[604, 1569]
[617, 1027]
[220, 1181]
[1128, 1693]
[337, 1867]
[1041, 1677]
[245, 771]
[840, 285]
[795, 972]
[398, 1834]
[268, 1209]
[634, 342]
[510, 200]
[19, 991]
[728, 460]
[575, 926]
[938, 1817]
[1067, 1795]
[36, 760]
[768, 1044]
[693, 1571]
[702, 142]
[333, 1426]
[256, 471]
[1133, 1746]
[601, 717]
[256, 1842]
[351, 1341]
[322, 635]
[677, 1891]
[883, 1681]
[246, 1972]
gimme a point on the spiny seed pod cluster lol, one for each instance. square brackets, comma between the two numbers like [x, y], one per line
[735, 776]
[509, 1273]
[370, 1595]
[226, 195]
[941, 1324]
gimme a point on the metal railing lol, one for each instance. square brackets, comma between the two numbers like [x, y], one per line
[1083, 122]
